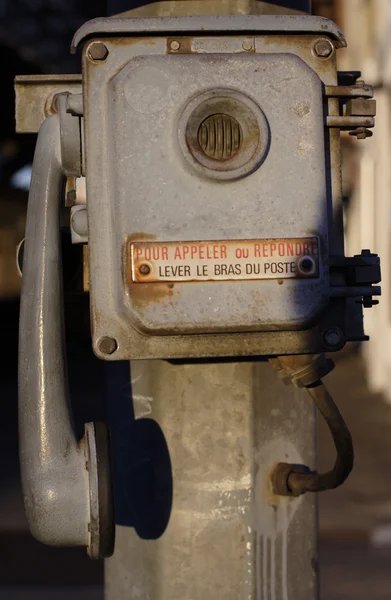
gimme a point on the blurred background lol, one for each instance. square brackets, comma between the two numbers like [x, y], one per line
[355, 520]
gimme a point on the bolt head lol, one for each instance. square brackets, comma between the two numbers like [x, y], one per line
[107, 345]
[145, 269]
[323, 48]
[97, 51]
[175, 45]
[332, 337]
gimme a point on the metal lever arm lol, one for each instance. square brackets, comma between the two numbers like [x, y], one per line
[66, 483]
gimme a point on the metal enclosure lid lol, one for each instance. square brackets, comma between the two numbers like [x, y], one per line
[140, 188]
[256, 24]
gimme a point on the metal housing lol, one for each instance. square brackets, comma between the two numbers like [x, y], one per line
[140, 187]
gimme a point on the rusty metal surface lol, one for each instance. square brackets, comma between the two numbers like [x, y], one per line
[282, 24]
[166, 309]
[203, 44]
[267, 343]
[303, 370]
[295, 480]
[300, 45]
[34, 96]
[224, 260]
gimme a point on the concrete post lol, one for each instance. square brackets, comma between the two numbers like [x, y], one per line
[224, 425]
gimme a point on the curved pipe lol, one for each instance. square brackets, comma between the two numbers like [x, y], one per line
[294, 480]
[59, 473]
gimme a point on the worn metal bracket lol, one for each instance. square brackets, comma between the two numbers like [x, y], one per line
[34, 98]
[357, 106]
[256, 24]
[354, 277]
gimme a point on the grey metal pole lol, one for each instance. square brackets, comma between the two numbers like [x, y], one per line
[226, 425]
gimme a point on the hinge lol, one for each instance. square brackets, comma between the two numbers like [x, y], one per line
[356, 106]
[354, 277]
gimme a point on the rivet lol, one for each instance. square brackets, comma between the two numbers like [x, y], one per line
[247, 45]
[145, 269]
[175, 45]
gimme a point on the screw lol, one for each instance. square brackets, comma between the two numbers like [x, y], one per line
[107, 345]
[97, 51]
[144, 269]
[306, 265]
[175, 45]
[332, 337]
[247, 45]
[323, 48]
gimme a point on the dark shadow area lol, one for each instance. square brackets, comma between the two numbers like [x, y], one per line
[141, 461]
[45, 565]
[9, 466]
[303, 5]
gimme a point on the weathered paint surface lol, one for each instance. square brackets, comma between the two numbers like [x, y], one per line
[225, 426]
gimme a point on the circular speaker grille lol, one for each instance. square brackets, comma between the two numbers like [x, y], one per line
[223, 134]
[220, 136]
